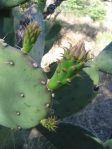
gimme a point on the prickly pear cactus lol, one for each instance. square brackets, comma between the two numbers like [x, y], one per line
[72, 98]
[108, 144]
[24, 97]
[72, 83]
[103, 62]
[6, 26]
[4, 134]
[72, 63]
[93, 73]
[31, 33]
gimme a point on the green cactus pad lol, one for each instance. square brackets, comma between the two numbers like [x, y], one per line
[108, 144]
[69, 136]
[72, 98]
[52, 30]
[4, 135]
[103, 61]
[24, 97]
[10, 3]
[93, 73]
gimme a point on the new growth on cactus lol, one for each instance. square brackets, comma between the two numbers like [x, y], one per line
[31, 34]
[50, 123]
[72, 63]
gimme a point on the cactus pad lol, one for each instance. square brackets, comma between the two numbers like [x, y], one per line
[103, 61]
[72, 98]
[24, 97]
[93, 73]
[108, 144]
[68, 136]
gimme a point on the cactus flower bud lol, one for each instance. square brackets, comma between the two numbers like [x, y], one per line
[78, 51]
[73, 62]
[31, 34]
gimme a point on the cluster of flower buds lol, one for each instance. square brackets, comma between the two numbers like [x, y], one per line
[51, 8]
[31, 33]
[50, 123]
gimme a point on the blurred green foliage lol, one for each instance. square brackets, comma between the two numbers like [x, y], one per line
[93, 8]
[103, 37]
[40, 3]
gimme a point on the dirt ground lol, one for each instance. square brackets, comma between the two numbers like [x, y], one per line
[76, 28]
